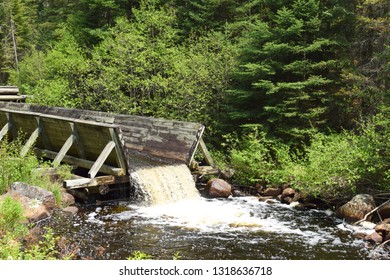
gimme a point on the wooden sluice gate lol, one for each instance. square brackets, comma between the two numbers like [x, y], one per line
[99, 142]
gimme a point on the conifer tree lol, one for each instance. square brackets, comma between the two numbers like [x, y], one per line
[289, 69]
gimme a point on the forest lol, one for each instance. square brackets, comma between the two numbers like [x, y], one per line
[290, 91]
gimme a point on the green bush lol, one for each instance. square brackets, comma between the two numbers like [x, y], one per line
[11, 217]
[13, 167]
[254, 158]
[331, 166]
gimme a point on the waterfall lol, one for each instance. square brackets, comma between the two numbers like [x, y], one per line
[155, 182]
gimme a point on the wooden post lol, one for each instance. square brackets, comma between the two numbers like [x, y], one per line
[4, 130]
[79, 145]
[206, 153]
[30, 142]
[101, 159]
[65, 148]
[121, 161]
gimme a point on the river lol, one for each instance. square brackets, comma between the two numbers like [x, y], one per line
[167, 216]
[232, 229]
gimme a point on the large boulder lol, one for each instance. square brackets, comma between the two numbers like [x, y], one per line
[355, 209]
[218, 188]
[36, 193]
[37, 203]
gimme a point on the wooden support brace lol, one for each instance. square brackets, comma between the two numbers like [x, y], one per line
[4, 130]
[121, 161]
[11, 125]
[30, 142]
[93, 182]
[79, 146]
[65, 148]
[101, 159]
[43, 134]
[81, 162]
[206, 153]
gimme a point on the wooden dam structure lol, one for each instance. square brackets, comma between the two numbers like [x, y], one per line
[98, 142]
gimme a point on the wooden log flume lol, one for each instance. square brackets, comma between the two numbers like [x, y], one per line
[97, 141]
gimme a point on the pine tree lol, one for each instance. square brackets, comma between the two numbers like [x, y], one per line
[289, 69]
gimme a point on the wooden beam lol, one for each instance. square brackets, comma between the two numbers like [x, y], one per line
[120, 159]
[65, 148]
[79, 146]
[206, 153]
[12, 97]
[43, 134]
[4, 130]
[30, 142]
[195, 147]
[9, 90]
[10, 120]
[93, 182]
[87, 164]
[101, 159]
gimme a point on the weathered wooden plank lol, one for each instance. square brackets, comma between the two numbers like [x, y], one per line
[65, 148]
[30, 142]
[121, 161]
[10, 120]
[79, 145]
[87, 164]
[12, 97]
[9, 90]
[4, 130]
[43, 135]
[101, 159]
[93, 182]
[169, 139]
[206, 152]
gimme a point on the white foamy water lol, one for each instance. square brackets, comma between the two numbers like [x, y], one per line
[232, 216]
[160, 183]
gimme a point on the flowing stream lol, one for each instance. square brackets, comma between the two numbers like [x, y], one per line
[176, 219]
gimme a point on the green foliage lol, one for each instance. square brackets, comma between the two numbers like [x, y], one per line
[138, 255]
[254, 158]
[11, 217]
[12, 247]
[338, 165]
[289, 68]
[45, 249]
[13, 167]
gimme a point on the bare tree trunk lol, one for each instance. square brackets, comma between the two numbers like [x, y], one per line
[14, 43]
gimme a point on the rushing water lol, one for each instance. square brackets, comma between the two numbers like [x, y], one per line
[174, 218]
[237, 228]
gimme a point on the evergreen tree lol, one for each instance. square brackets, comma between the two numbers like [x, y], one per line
[289, 70]
[15, 34]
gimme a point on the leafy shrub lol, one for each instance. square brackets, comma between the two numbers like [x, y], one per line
[254, 158]
[331, 167]
[138, 255]
[13, 167]
[11, 217]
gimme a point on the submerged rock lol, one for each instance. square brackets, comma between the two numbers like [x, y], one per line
[272, 191]
[218, 188]
[383, 229]
[355, 209]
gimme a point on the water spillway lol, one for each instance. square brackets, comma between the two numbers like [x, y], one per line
[158, 182]
[114, 148]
